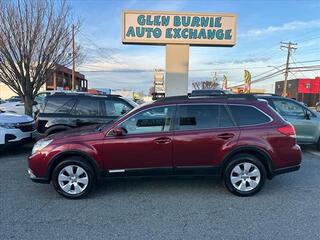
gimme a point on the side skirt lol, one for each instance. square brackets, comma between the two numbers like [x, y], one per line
[163, 171]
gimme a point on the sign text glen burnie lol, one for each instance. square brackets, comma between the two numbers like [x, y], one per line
[182, 28]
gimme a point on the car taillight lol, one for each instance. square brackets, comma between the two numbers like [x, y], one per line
[287, 130]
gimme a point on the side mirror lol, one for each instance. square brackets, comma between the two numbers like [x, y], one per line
[307, 115]
[119, 131]
[35, 103]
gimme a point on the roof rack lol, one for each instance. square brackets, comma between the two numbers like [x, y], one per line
[218, 96]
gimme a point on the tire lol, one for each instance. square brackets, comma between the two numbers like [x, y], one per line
[318, 145]
[248, 175]
[73, 178]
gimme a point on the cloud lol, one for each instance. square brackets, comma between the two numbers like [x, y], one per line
[290, 26]
[240, 61]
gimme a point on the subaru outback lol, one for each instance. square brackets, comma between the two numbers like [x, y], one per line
[237, 137]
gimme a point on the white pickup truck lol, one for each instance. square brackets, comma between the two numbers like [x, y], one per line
[15, 128]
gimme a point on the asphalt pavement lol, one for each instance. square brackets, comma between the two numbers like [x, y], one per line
[160, 208]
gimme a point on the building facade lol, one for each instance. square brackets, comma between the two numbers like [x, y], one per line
[60, 79]
[306, 90]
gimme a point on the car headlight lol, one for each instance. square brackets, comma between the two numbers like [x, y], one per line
[41, 144]
[7, 125]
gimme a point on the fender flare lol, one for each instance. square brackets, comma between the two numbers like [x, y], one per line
[60, 156]
[254, 150]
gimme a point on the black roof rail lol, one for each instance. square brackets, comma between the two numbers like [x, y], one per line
[218, 96]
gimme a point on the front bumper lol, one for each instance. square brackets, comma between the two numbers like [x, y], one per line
[36, 179]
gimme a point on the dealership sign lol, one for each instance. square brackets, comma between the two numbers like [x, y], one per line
[150, 27]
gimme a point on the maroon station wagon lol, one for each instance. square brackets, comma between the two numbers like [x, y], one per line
[237, 137]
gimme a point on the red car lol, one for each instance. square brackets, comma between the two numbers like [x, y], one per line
[236, 137]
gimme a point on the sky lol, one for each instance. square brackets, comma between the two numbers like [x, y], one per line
[261, 26]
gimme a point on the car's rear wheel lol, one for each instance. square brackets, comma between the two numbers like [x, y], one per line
[244, 175]
[73, 178]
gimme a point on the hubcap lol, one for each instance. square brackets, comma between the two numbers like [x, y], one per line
[73, 179]
[245, 176]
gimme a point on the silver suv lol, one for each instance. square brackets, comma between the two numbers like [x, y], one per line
[305, 120]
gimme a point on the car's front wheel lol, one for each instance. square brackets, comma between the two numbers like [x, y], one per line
[73, 178]
[244, 175]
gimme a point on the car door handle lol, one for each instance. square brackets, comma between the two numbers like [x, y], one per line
[162, 140]
[225, 136]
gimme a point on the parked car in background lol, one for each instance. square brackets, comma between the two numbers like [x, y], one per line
[237, 137]
[15, 105]
[2, 101]
[63, 111]
[318, 106]
[305, 121]
[14, 99]
[15, 128]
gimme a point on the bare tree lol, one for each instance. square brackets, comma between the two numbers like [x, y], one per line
[35, 36]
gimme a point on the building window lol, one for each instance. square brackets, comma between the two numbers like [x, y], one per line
[289, 85]
[308, 85]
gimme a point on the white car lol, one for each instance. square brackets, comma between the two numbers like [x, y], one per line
[16, 107]
[14, 128]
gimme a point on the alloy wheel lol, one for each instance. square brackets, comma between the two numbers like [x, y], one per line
[245, 176]
[73, 179]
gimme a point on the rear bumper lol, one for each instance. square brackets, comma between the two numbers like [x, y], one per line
[285, 170]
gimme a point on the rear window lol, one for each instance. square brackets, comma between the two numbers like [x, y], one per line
[59, 105]
[247, 115]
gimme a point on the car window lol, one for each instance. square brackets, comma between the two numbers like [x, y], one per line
[288, 108]
[203, 117]
[225, 120]
[59, 105]
[116, 108]
[149, 121]
[87, 107]
[247, 115]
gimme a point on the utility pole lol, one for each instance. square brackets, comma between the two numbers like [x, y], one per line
[289, 46]
[73, 85]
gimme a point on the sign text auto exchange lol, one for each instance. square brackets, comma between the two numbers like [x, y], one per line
[185, 27]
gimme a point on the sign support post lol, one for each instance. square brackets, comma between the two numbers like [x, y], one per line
[177, 68]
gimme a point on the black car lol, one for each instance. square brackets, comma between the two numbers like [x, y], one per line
[65, 111]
